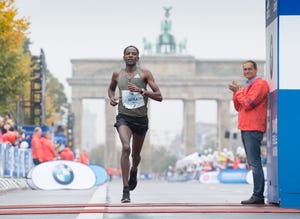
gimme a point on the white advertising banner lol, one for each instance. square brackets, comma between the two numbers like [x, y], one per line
[61, 174]
[289, 48]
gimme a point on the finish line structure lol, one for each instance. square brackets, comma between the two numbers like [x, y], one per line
[141, 208]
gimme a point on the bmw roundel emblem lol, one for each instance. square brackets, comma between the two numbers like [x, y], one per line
[63, 174]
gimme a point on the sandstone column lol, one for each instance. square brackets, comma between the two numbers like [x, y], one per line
[224, 124]
[77, 110]
[189, 127]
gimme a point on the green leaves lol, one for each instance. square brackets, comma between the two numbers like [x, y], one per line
[14, 61]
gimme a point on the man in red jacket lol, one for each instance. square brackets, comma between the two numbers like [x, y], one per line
[36, 146]
[84, 157]
[250, 102]
[48, 147]
[67, 154]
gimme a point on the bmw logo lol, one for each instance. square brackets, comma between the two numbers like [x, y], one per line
[63, 174]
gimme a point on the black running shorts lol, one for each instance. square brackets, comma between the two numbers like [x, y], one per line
[138, 125]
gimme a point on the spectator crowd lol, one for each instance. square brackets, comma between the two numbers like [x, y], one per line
[192, 166]
[41, 143]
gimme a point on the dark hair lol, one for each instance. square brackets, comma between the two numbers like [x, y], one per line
[137, 50]
[252, 62]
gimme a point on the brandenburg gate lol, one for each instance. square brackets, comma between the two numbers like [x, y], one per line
[179, 76]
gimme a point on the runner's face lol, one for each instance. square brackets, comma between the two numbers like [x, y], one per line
[131, 56]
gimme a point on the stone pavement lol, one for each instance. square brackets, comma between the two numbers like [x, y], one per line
[12, 183]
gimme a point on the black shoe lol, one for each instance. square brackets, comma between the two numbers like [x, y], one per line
[132, 182]
[253, 200]
[126, 195]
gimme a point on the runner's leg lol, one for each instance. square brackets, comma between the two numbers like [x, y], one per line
[125, 136]
[137, 144]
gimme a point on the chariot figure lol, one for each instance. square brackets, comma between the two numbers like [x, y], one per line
[166, 41]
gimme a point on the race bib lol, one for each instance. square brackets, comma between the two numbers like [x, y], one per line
[132, 100]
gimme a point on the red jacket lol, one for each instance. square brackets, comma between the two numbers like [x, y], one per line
[10, 137]
[84, 158]
[48, 149]
[36, 148]
[251, 105]
[66, 154]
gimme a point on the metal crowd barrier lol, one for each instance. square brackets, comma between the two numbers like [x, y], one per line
[14, 162]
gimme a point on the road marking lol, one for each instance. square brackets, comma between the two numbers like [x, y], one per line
[99, 196]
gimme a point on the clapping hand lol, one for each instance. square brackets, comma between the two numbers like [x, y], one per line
[233, 86]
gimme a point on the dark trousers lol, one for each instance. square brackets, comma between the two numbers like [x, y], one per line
[36, 161]
[252, 142]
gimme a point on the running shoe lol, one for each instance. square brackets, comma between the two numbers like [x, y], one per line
[126, 195]
[132, 182]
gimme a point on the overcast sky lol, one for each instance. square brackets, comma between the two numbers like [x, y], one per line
[215, 29]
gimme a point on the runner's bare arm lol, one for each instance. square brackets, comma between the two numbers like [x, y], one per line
[155, 94]
[112, 89]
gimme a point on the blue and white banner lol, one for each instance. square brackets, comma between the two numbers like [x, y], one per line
[9, 160]
[15, 162]
[2, 160]
[101, 174]
[233, 176]
[209, 177]
[282, 57]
